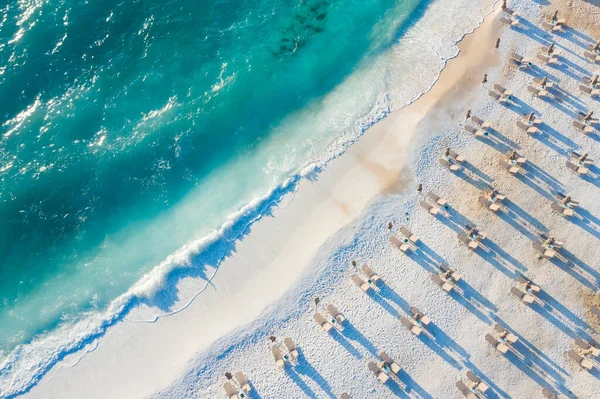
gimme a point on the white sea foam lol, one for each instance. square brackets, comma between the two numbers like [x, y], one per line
[373, 90]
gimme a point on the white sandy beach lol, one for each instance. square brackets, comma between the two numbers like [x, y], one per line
[305, 248]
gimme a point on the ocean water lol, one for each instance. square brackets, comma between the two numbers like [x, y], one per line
[135, 133]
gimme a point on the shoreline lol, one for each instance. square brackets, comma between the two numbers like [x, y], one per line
[372, 165]
[337, 362]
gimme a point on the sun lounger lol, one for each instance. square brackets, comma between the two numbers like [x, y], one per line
[582, 361]
[537, 92]
[591, 82]
[508, 336]
[547, 60]
[595, 310]
[446, 286]
[508, 10]
[561, 209]
[497, 97]
[549, 394]
[361, 283]
[477, 233]
[511, 338]
[502, 90]
[475, 132]
[516, 157]
[532, 288]
[345, 396]
[480, 122]
[492, 206]
[544, 250]
[230, 391]
[412, 327]
[333, 311]
[547, 25]
[509, 21]
[516, 57]
[593, 57]
[532, 119]
[371, 275]
[407, 233]
[472, 377]
[277, 355]
[454, 155]
[437, 199]
[455, 276]
[512, 169]
[585, 89]
[401, 245]
[500, 197]
[451, 273]
[479, 385]
[471, 244]
[434, 210]
[522, 62]
[452, 166]
[529, 129]
[590, 91]
[381, 376]
[582, 343]
[291, 347]
[550, 49]
[390, 363]
[543, 82]
[521, 279]
[493, 193]
[464, 389]
[325, 325]
[588, 347]
[525, 298]
[242, 381]
[552, 28]
[583, 127]
[580, 170]
[418, 315]
[499, 346]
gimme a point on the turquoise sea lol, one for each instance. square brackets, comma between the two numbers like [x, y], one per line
[133, 131]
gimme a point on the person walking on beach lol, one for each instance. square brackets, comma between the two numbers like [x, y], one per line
[484, 78]
[497, 43]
